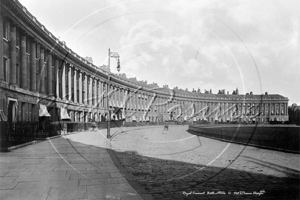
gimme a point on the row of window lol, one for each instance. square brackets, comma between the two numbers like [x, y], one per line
[18, 34]
[25, 112]
[7, 74]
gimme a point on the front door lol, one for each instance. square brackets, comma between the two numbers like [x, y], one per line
[11, 116]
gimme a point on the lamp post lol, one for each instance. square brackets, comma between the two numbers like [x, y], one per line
[117, 57]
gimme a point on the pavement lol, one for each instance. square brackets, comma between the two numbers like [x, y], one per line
[146, 163]
[62, 169]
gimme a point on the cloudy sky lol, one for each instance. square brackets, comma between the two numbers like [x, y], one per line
[250, 45]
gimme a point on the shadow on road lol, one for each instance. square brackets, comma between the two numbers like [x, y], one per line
[168, 179]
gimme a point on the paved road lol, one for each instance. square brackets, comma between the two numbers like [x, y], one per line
[175, 165]
[145, 162]
[63, 169]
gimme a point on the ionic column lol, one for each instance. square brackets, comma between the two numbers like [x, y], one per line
[136, 102]
[80, 87]
[131, 100]
[112, 99]
[139, 100]
[70, 68]
[88, 89]
[165, 105]
[97, 86]
[107, 100]
[38, 77]
[117, 96]
[121, 96]
[102, 89]
[23, 63]
[85, 89]
[147, 101]
[105, 95]
[12, 55]
[63, 81]
[96, 92]
[57, 77]
[99, 104]
[126, 96]
[128, 102]
[49, 74]
[33, 67]
[42, 71]
[100, 95]
[162, 104]
[121, 91]
[143, 99]
[91, 91]
[92, 95]
[158, 104]
[75, 86]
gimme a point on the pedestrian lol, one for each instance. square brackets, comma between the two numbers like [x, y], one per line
[166, 128]
[94, 125]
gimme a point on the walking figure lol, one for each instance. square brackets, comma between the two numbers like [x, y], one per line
[166, 127]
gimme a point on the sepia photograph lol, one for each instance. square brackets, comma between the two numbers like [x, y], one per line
[149, 99]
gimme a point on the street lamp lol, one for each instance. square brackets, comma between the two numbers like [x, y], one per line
[117, 57]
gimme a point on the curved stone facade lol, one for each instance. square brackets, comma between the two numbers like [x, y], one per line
[41, 77]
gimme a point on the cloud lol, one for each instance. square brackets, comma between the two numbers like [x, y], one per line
[143, 31]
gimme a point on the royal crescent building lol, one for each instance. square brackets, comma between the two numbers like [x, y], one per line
[41, 77]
